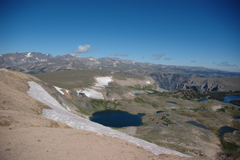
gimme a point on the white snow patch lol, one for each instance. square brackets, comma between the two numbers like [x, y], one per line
[79, 91]
[68, 109]
[103, 81]
[100, 68]
[67, 91]
[148, 82]
[29, 54]
[90, 93]
[0, 55]
[59, 89]
[60, 114]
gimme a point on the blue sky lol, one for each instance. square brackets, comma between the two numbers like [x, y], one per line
[171, 32]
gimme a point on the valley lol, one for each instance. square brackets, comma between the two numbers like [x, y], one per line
[183, 108]
[132, 94]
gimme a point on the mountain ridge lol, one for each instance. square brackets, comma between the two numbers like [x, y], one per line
[167, 77]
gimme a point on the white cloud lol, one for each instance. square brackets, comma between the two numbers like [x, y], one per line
[225, 63]
[167, 58]
[83, 49]
[158, 56]
[124, 55]
[118, 54]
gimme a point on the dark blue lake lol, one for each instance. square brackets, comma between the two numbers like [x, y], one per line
[229, 98]
[160, 111]
[225, 129]
[197, 124]
[236, 117]
[108, 87]
[226, 99]
[172, 102]
[202, 100]
[117, 119]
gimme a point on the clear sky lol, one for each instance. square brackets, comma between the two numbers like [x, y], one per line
[171, 32]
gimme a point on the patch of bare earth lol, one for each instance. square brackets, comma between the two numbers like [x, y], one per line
[26, 135]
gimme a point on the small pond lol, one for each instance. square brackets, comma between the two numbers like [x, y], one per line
[236, 117]
[197, 124]
[117, 119]
[108, 87]
[227, 99]
[160, 111]
[225, 129]
[172, 102]
[202, 100]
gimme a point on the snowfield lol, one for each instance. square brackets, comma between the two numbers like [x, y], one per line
[90, 93]
[60, 114]
[59, 89]
[103, 81]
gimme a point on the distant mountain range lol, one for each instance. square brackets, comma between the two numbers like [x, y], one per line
[166, 76]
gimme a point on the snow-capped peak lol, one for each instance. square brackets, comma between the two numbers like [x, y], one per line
[29, 54]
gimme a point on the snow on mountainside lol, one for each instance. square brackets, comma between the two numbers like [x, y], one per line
[60, 114]
[166, 77]
[103, 81]
[92, 93]
[14, 59]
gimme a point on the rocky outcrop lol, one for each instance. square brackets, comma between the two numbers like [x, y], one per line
[169, 81]
[210, 84]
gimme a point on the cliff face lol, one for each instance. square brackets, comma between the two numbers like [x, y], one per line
[202, 85]
[169, 81]
[211, 84]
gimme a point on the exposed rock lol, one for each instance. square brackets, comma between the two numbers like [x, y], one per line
[211, 84]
